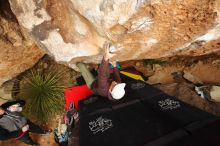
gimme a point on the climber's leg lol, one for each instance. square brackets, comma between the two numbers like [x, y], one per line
[87, 75]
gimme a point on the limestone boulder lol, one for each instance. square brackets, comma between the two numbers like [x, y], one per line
[17, 51]
[75, 30]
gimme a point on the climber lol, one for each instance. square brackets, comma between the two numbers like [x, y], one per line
[15, 125]
[103, 85]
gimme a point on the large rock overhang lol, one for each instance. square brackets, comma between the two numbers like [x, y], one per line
[75, 30]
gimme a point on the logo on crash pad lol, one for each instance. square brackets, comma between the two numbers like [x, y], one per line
[100, 125]
[138, 85]
[169, 104]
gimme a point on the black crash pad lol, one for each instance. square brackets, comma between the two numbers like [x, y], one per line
[205, 136]
[166, 105]
[145, 116]
[132, 125]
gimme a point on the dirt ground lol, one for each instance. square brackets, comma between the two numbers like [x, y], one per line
[205, 70]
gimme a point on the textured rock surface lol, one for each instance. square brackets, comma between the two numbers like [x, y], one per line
[205, 69]
[73, 30]
[17, 53]
[5, 92]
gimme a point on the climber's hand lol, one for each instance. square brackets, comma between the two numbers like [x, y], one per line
[113, 63]
[25, 128]
[107, 54]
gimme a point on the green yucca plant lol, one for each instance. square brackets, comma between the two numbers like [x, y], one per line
[43, 94]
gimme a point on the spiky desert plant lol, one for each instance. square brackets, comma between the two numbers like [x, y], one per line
[43, 94]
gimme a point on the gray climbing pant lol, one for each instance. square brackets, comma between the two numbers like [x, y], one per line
[87, 75]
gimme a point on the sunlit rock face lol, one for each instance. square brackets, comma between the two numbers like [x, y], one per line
[17, 51]
[75, 30]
